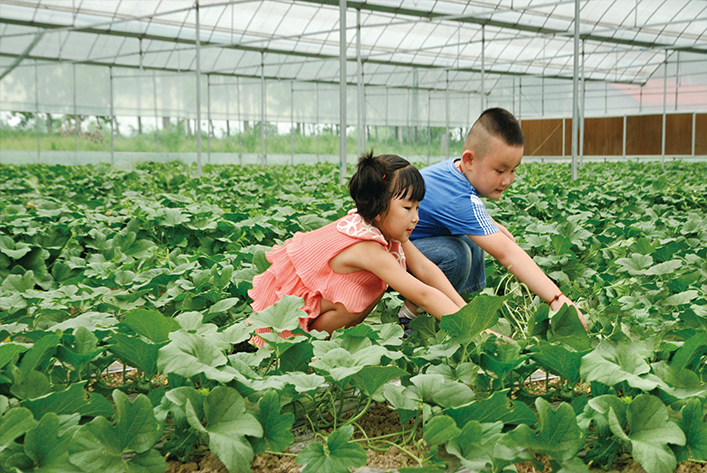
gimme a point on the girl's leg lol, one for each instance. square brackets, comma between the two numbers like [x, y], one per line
[335, 316]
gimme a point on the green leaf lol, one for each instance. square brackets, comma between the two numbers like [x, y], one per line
[151, 324]
[40, 352]
[189, 354]
[341, 364]
[15, 423]
[559, 360]
[650, 432]
[136, 426]
[173, 218]
[695, 428]
[635, 265]
[611, 364]
[227, 425]
[565, 327]
[476, 444]
[95, 448]
[276, 426]
[48, 443]
[135, 352]
[336, 456]
[439, 430]
[496, 408]
[9, 352]
[223, 305]
[557, 434]
[281, 316]
[370, 378]
[73, 399]
[472, 319]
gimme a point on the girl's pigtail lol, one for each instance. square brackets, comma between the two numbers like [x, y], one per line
[370, 185]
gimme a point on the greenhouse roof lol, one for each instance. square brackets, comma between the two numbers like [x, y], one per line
[403, 43]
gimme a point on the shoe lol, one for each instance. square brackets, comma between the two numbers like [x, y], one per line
[405, 324]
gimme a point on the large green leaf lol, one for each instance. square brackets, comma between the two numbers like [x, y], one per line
[136, 352]
[559, 360]
[557, 434]
[151, 324]
[227, 424]
[612, 364]
[472, 319]
[73, 399]
[280, 316]
[439, 430]
[695, 428]
[100, 446]
[649, 432]
[496, 408]
[369, 379]
[337, 456]
[48, 443]
[13, 424]
[190, 354]
[276, 425]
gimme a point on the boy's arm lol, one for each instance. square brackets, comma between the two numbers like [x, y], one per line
[522, 266]
[429, 273]
[504, 230]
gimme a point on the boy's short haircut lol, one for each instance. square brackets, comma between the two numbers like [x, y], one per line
[496, 122]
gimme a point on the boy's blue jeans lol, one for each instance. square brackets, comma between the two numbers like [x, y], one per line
[459, 258]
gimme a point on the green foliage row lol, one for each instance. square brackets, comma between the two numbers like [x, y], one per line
[151, 268]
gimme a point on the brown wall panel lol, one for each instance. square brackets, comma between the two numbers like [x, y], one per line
[603, 136]
[644, 135]
[701, 134]
[542, 137]
[678, 134]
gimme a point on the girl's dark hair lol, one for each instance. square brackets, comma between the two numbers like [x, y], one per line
[380, 179]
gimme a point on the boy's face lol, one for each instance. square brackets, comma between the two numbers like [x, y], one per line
[494, 172]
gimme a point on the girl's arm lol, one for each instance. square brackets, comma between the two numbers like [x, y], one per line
[370, 256]
[429, 273]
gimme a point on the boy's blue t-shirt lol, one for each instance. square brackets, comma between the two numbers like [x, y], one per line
[451, 205]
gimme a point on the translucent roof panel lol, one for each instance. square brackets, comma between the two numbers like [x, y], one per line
[622, 41]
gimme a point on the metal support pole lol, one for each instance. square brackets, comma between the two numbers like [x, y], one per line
[36, 106]
[238, 119]
[342, 91]
[694, 130]
[316, 117]
[154, 99]
[446, 118]
[429, 126]
[581, 114]
[198, 93]
[575, 91]
[112, 120]
[665, 104]
[483, 68]
[359, 80]
[209, 126]
[263, 157]
[76, 119]
[624, 137]
[292, 122]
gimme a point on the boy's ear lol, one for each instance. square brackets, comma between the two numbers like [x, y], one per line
[468, 157]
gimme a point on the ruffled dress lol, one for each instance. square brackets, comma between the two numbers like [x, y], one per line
[300, 267]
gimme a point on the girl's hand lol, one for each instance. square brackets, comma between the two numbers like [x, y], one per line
[562, 300]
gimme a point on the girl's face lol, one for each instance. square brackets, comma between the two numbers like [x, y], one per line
[399, 220]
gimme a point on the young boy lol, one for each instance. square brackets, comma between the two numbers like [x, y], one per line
[455, 228]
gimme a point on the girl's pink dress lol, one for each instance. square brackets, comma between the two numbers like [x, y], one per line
[300, 267]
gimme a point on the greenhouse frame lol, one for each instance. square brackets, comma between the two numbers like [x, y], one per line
[628, 77]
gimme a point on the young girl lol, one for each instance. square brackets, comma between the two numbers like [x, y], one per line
[342, 269]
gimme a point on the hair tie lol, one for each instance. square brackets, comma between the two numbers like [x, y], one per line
[383, 176]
